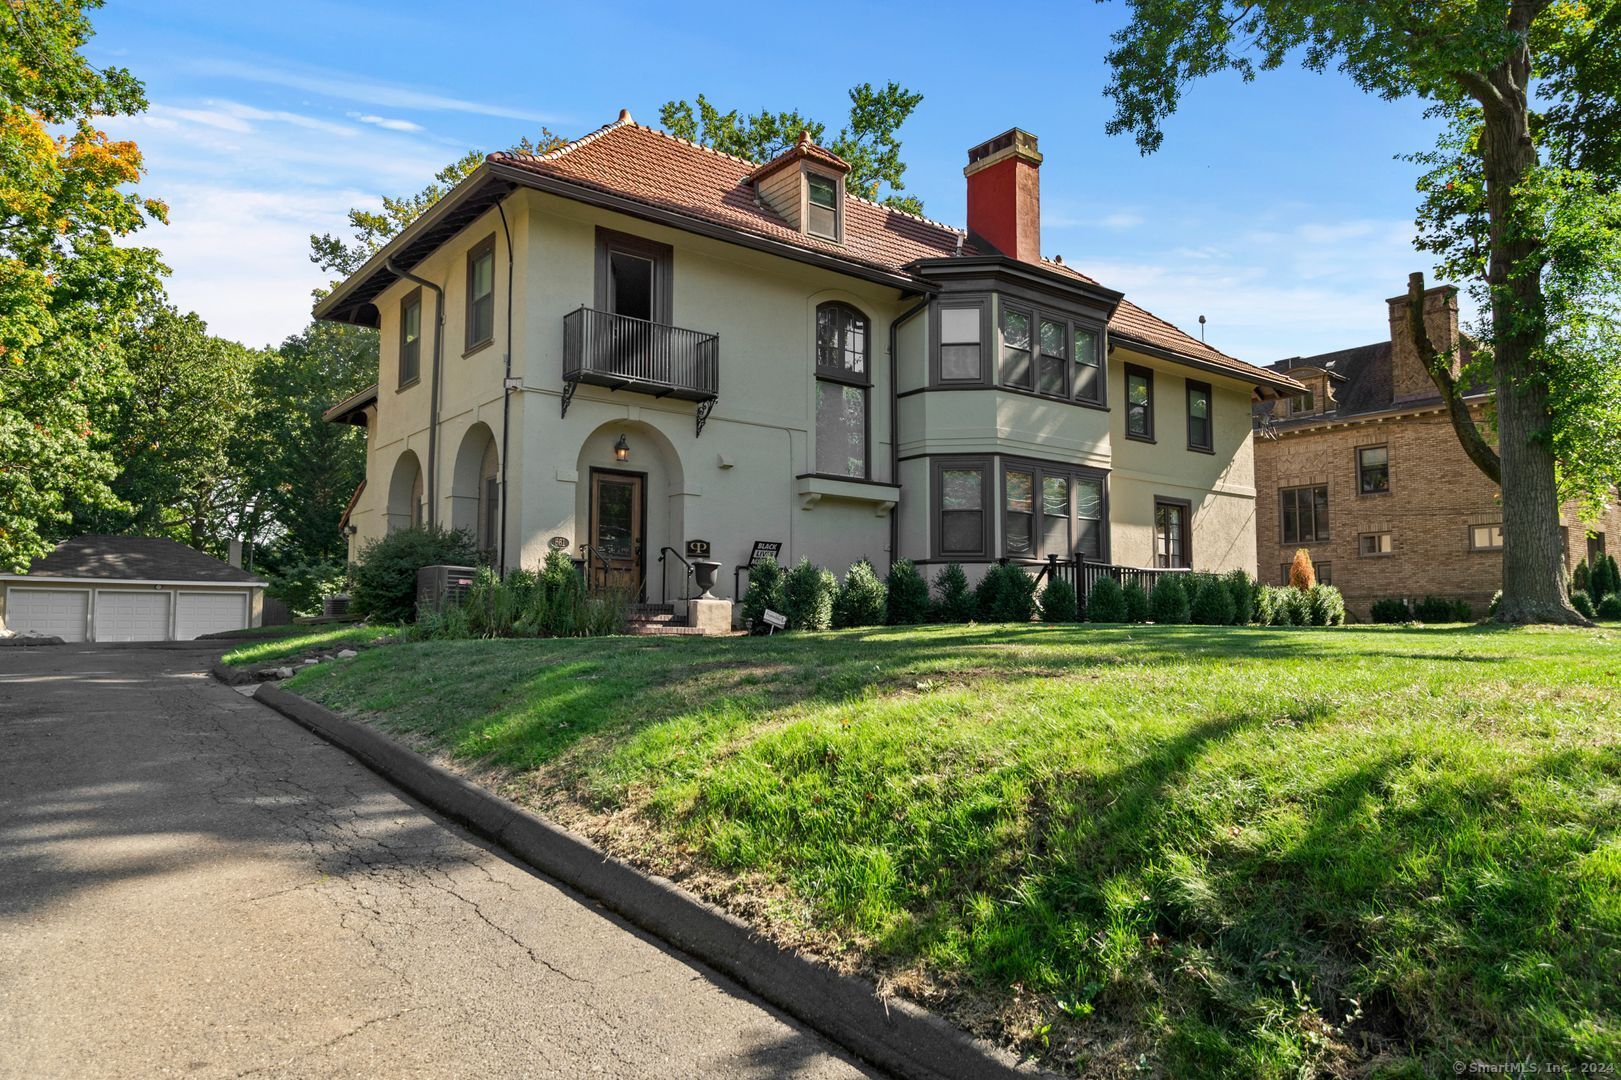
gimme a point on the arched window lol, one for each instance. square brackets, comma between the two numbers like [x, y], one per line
[843, 377]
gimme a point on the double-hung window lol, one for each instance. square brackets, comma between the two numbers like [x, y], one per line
[843, 342]
[1051, 510]
[1052, 368]
[1304, 513]
[962, 329]
[1139, 403]
[1042, 352]
[1373, 470]
[481, 294]
[1016, 365]
[1201, 428]
[962, 493]
[411, 337]
[1089, 381]
[1171, 545]
[822, 209]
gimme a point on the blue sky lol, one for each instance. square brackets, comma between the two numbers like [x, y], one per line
[1276, 209]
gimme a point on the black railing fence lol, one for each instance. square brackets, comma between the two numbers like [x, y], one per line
[619, 352]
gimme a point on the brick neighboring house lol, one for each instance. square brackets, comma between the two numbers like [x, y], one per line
[1365, 471]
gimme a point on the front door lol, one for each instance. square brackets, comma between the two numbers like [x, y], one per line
[617, 509]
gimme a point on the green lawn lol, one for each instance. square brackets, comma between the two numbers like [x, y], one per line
[295, 641]
[1180, 850]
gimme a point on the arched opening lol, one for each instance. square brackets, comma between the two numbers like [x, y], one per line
[629, 507]
[475, 491]
[406, 503]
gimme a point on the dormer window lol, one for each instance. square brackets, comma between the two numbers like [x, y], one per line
[822, 211]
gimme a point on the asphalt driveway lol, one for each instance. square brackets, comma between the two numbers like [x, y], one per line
[192, 884]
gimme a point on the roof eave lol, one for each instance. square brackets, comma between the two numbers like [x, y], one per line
[346, 411]
[591, 196]
[1256, 376]
[957, 265]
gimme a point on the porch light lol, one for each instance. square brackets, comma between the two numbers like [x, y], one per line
[621, 449]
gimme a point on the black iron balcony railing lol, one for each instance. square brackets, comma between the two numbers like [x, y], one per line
[621, 353]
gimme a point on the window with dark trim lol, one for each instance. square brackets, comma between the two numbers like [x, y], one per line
[1089, 380]
[1374, 543]
[1372, 470]
[1172, 545]
[1486, 537]
[843, 352]
[961, 492]
[1052, 365]
[633, 276]
[481, 294]
[962, 331]
[822, 205]
[1201, 426]
[1303, 512]
[1051, 510]
[411, 337]
[1016, 360]
[1139, 403]
[1324, 572]
[1595, 546]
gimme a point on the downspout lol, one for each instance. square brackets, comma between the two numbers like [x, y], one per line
[894, 424]
[506, 399]
[433, 401]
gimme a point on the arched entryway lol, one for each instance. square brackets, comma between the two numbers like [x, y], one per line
[628, 506]
[406, 502]
[475, 490]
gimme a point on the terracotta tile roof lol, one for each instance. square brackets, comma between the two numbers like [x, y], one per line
[805, 149]
[640, 163]
[649, 166]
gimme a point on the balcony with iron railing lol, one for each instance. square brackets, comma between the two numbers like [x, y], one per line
[623, 353]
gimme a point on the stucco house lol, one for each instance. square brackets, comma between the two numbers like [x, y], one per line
[633, 342]
[1363, 469]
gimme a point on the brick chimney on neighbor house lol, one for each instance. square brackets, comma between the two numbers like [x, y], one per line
[1004, 195]
[1410, 379]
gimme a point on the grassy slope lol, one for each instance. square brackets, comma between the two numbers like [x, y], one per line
[297, 641]
[1208, 846]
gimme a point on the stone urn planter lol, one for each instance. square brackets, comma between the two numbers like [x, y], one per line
[703, 575]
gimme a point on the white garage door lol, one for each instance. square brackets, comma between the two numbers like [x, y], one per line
[57, 612]
[199, 613]
[132, 616]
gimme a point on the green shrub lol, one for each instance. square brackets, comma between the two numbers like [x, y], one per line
[1296, 605]
[1136, 602]
[1612, 576]
[1168, 603]
[1580, 579]
[907, 599]
[1212, 604]
[1442, 609]
[491, 605]
[956, 598]
[862, 600]
[1264, 607]
[1583, 605]
[1006, 594]
[305, 585]
[1058, 602]
[809, 591]
[1106, 602]
[1392, 610]
[385, 576]
[765, 591]
[1326, 606]
[1609, 608]
[1241, 587]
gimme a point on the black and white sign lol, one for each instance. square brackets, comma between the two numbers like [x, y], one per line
[765, 549]
[697, 549]
[774, 620]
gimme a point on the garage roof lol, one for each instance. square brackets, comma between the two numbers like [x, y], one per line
[135, 558]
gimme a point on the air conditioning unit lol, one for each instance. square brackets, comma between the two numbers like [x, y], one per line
[335, 606]
[441, 585]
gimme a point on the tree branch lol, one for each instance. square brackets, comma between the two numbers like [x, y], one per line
[1481, 88]
[1474, 443]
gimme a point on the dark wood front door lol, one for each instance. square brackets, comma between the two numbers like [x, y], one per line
[618, 511]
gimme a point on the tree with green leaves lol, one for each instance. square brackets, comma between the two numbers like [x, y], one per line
[68, 289]
[1519, 199]
[179, 419]
[867, 140]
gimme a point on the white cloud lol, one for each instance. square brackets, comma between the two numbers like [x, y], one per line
[365, 91]
[386, 122]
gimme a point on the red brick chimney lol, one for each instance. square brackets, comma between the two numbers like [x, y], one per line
[1004, 195]
[1410, 380]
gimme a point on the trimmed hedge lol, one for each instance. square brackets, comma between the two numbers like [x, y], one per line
[1213, 604]
[1168, 603]
[765, 591]
[1106, 602]
[956, 604]
[1058, 603]
[1006, 594]
[907, 601]
[862, 600]
[1443, 609]
[1136, 599]
[1609, 608]
[810, 591]
[1326, 605]
[1583, 605]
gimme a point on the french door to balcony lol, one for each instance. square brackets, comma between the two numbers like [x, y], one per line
[618, 516]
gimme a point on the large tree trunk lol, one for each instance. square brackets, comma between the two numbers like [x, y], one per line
[1533, 554]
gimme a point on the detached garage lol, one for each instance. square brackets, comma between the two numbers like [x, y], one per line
[129, 588]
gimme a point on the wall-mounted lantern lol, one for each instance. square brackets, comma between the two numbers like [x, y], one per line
[621, 449]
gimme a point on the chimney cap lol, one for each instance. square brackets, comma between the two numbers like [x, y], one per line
[1014, 142]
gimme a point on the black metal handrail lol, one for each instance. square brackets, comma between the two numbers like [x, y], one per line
[620, 352]
[663, 580]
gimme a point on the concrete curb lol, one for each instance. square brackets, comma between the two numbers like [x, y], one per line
[894, 1035]
[231, 676]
